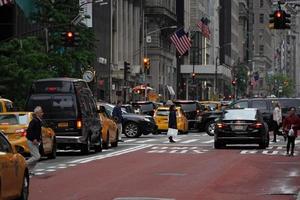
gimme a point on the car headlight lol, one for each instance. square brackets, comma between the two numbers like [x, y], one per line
[147, 119]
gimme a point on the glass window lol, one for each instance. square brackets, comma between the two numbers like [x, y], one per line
[240, 114]
[241, 104]
[8, 119]
[162, 113]
[261, 105]
[261, 3]
[4, 145]
[23, 119]
[261, 18]
[261, 49]
[9, 106]
[187, 107]
[52, 87]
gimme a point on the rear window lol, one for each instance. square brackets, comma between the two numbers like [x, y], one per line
[12, 119]
[162, 113]
[187, 107]
[52, 87]
[54, 106]
[239, 115]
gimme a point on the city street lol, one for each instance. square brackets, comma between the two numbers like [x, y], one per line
[150, 167]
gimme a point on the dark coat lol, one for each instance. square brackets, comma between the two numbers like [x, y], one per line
[34, 130]
[172, 119]
[117, 114]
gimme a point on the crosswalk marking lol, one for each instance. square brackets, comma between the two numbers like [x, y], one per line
[130, 140]
[209, 141]
[144, 141]
[189, 141]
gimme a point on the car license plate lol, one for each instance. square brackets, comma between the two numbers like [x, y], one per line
[63, 124]
[238, 128]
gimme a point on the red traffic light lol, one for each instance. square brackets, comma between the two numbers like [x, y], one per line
[233, 82]
[70, 34]
[278, 14]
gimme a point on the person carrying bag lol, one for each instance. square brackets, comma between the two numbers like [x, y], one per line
[172, 124]
[290, 126]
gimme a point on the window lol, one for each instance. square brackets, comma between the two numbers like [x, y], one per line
[261, 3]
[242, 104]
[261, 18]
[261, 50]
[4, 145]
[261, 105]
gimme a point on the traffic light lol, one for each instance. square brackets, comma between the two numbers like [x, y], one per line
[146, 63]
[70, 38]
[233, 82]
[279, 20]
[126, 69]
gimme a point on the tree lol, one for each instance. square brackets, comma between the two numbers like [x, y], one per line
[242, 79]
[280, 85]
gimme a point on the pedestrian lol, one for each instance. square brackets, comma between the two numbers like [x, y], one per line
[290, 126]
[34, 138]
[172, 121]
[277, 120]
[118, 117]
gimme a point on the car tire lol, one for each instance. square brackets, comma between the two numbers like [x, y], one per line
[131, 130]
[210, 128]
[86, 148]
[105, 144]
[25, 188]
[52, 155]
[218, 145]
[115, 144]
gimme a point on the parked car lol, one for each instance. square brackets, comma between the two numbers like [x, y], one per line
[192, 110]
[14, 175]
[161, 116]
[135, 125]
[15, 124]
[70, 110]
[6, 105]
[266, 106]
[110, 131]
[241, 126]
[144, 107]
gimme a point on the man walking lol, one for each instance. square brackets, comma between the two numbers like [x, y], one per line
[34, 136]
[117, 115]
[290, 126]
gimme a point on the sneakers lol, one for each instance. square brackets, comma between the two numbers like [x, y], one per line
[171, 140]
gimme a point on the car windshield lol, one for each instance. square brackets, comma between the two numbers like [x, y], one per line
[54, 106]
[239, 115]
[13, 119]
[187, 107]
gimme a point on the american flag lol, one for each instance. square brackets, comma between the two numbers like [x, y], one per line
[3, 2]
[203, 26]
[181, 41]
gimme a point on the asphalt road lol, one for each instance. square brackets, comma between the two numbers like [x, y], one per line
[150, 167]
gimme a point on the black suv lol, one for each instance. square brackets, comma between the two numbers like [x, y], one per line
[192, 110]
[266, 106]
[70, 110]
[144, 107]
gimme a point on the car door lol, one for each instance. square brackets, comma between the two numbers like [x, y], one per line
[8, 167]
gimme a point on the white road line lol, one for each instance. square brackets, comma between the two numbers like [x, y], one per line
[189, 141]
[131, 140]
[297, 141]
[209, 141]
[144, 141]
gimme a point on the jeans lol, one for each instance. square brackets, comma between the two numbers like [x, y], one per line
[35, 155]
[290, 142]
[120, 130]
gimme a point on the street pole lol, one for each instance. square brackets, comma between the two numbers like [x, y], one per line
[216, 75]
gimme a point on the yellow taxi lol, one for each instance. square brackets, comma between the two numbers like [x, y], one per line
[161, 116]
[110, 130]
[14, 175]
[211, 105]
[6, 105]
[14, 125]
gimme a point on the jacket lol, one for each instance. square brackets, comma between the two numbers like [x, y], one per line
[117, 114]
[289, 120]
[34, 130]
[172, 119]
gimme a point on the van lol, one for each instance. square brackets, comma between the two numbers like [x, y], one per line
[70, 110]
[6, 105]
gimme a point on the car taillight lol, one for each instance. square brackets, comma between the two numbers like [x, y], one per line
[221, 125]
[79, 123]
[256, 125]
[22, 132]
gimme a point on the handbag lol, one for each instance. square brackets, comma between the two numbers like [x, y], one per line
[291, 132]
[172, 132]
